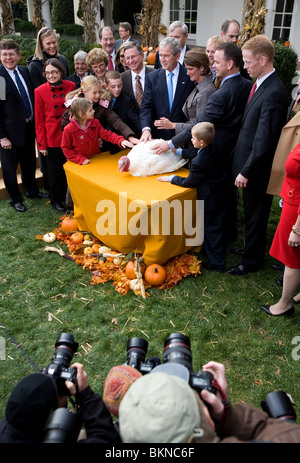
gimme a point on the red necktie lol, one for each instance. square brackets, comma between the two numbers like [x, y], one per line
[252, 92]
[110, 66]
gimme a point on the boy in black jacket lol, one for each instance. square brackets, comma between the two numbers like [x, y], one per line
[206, 175]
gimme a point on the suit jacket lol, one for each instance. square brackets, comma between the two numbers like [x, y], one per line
[155, 101]
[119, 42]
[206, 175]
[261, 125]
[127, 83]
[224, 109]
[12, 110]
[196, 102]
[157, 64]
[127, 110]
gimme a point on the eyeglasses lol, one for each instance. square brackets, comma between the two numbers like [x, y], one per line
[49, 73]
[98, 66]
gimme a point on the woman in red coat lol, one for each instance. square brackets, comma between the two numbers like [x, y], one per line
[49, 108]
[286, 243]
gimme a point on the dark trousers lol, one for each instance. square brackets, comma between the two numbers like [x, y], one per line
[257, 206]
[56, 175]
[214, 236]
[25, 156]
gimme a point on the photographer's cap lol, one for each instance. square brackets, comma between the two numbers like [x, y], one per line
[174, 369]
[159, 408]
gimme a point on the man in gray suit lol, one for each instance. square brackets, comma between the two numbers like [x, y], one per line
[134, 56]
[125, 31]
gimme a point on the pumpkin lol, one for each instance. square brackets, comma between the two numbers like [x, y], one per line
[95, 248]
[155, 274]
[69, 224]
[130, 269]
[77, 237]
[111, 257]
[151, 57]
[49, 237]
[134, 285]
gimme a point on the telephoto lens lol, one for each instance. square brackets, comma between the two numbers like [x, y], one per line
[62, 427]
[177, 349]
[279, 405]
[137, 349]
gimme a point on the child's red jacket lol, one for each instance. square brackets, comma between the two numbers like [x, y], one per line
[78, 144]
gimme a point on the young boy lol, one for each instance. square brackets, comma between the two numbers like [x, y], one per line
[122, 104]
[207, 175]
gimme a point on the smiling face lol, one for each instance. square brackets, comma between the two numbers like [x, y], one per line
[114, 87]
[134, 60]
[167, 60]
[10, 59]
[50, 45]
[99, 69]
[80, 67]
[195, 74]
[52, 74]
[107, 41]
[93, 94]
[221, 65]
[89, 113]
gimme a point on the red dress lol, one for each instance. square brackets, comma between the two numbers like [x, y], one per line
[290, 193]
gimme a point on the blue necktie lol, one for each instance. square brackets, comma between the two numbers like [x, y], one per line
[23, 94]
[170, 88]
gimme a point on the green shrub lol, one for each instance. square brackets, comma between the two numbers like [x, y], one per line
[285, 63]
[62, 12]
[21, 25]
[70, 29]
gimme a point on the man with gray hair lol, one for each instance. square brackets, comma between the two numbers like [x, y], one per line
[166, 90]
[178, 30]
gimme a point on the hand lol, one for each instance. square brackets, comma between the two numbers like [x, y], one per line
[161, 147]
[164, 123]
[86, 161]
[215, 401]
[241, 181]
[6, 144]
[294, 240]
[82, 380]
[44, 152]
[164, 178]
[126, 144]
[146, 136]
[133, 140]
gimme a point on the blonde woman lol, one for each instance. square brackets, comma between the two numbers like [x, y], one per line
[97, 61]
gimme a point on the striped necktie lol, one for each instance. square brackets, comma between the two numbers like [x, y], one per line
[23, 94]
[138, 90]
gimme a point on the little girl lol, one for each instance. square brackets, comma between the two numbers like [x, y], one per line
[81, 136]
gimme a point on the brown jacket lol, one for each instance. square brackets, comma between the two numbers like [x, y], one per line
[246, 423]
[289, 138]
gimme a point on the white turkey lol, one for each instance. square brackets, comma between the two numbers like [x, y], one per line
[142, 161]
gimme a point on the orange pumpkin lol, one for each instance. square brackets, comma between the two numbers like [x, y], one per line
[155, 274]
[130, 272]
[95, 248]
[111, 258]
[69, 224]
[151, 57]
[77, 237]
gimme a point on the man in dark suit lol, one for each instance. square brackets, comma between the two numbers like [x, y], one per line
[134, 57]
[125, 31]
[156, 103]
[263, 119]
[224, 109]
[179, 31]
[17, 135]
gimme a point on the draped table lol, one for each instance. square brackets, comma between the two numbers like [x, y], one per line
[135, 214]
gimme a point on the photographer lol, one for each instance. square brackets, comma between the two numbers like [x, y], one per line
[162, 407]
[35, 396]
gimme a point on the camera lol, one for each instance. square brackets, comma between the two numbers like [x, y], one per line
[137, 349]
[59, 368]
[279, 405]
[62, 427]
[177, 349]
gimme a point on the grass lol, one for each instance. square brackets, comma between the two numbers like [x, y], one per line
[220, 313]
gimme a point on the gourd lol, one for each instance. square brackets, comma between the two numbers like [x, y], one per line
[87, 251]
[69, 224]
[134, 285]
[49, 237]
[155, 274]
[77, 237]
[130, 269]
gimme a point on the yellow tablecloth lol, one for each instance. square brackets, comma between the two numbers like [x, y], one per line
[138, 214]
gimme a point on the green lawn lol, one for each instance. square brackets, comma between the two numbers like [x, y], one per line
[43, 294]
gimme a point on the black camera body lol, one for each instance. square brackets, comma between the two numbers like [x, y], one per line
[176, 351]
[59, 368]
